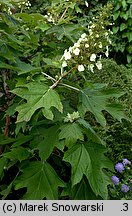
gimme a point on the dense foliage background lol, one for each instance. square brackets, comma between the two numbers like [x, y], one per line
[65, 99]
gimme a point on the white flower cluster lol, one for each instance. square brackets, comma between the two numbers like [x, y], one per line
[106, 35]
[9, 11]
[75, 50]
[86, 52]
[25, 3]
[98, 63]
[50, 18]
[6, 9]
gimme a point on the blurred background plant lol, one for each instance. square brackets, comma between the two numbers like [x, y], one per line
[122, 29]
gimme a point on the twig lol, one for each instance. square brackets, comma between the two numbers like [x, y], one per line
[70, 86]
[61, 77]
[57, 81]
[7, 125]
[51, 78]
[5, 88]
[63, 13]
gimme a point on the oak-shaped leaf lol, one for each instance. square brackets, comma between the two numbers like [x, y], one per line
[80, 191]
[18, 153]
[89, 131]
[96, 100]
[116, 111]
[83, 191]
[88, 159]
[71, 132]
[41, 181]
[51, 139]
[37, 95]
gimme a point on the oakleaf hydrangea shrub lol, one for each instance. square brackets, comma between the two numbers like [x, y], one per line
[122, 181]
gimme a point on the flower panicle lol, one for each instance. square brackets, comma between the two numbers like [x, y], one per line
[87, 49]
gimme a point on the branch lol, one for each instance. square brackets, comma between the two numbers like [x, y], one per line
[70, 86]
[63, 13]
[49, 77]
[61, 77]
[5, 87]
[7, 125]
[6, 90]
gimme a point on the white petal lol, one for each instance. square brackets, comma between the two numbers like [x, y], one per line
[83, 35]
[81, 68]
[86, 3]
[86, 45]
[91, 66]
[64, 64]
[76, 51]
[99, 65]
[92, 57]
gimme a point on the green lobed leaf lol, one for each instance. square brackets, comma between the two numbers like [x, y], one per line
[66, 30]
[117, 6]
[22, 139]
[38, 95]
[25, 68]
[51, 62]
[51, 139]
[116, 110]
[7, 53]
[11, 109]
[41, 181]
[91, 134]
[89, 159]
[7, 66]
[95, 101]
[4, 141]
[19, 153]
[71, 132]
[42, 26]
[6, 191]
[79, 159]
[83, 191]
[33, 18]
